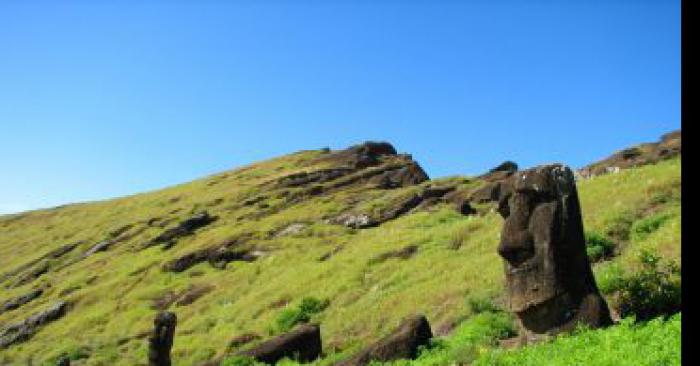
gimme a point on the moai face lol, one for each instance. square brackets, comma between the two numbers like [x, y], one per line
[543, 247]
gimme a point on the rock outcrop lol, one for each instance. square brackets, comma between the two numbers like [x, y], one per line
[161, 339]
[24, 330]
[302, 343]
[18, 301]
[668, 146]
[549, 280]
[217, 256]
[374, 164]
[402, 343]
[184, 228]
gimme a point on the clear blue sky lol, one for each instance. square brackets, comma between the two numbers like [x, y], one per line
[102, 99]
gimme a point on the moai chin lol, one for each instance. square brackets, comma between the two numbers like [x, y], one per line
[549, 281]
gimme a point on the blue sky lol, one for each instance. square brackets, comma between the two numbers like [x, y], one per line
[103, 99]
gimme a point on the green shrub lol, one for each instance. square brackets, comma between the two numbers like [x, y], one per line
[618, 226]
[609, 278]
[657, 342]
[482, 304]
[653, 291]
[302, 313]
[240, 361]
[642, 228]
[598, 246]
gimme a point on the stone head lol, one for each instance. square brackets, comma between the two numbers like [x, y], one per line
[542, 242]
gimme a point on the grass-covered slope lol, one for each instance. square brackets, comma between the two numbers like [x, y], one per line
[114, 294]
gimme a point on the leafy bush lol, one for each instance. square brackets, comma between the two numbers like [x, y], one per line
[598, 246]
[482, 304]
[653, 291]
[642, 228]
[609, 278]
[302, 313]
[618, 226]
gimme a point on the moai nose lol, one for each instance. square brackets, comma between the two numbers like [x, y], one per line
[516, 247]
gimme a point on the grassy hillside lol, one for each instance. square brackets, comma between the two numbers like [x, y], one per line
[114, 294]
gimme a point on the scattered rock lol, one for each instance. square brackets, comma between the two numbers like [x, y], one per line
[402, 343]
[184, 228]
[23, 331]
[16, 302]
[99, 247]
[550, 284]
[32, 274]
[161, 339]
[355, 221]
[317, 176]
[218, 256]
[292, 229]
[303, 344]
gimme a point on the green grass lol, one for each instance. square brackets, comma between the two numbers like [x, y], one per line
[654, 343]
[112, 292]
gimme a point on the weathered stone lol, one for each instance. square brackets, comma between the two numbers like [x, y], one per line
[32, 274]
[402, 343]
[292, 229]
[161, 339]
[16, 302]
[550, 284]
[99, 247]
[465, 208]
[355, 221]
[489, 192]
[408, 175]
[302, 343]
[218, 256]
[23, 331]
[649, 153]
[184, 228]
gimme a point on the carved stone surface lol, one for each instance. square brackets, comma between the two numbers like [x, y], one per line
[24, 330]
[549, 280]
[402, 343]
[161, 339]
[302, 343]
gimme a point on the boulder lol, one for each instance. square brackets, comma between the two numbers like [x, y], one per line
[24, 330]
[549, 281]
[402, 343]
[18, 301]
[184, 228]
[302, 343]
[161, 339]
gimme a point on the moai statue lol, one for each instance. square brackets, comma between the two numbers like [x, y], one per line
[550, 284]
[161, 340]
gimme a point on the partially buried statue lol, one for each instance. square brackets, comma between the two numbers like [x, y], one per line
[549, 280]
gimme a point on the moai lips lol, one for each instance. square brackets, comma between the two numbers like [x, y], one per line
[549, 279]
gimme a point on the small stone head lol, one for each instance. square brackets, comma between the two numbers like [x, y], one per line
[542, 244]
